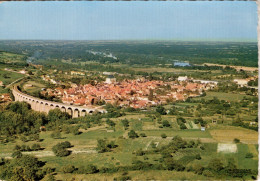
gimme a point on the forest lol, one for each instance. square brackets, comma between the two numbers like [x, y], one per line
[137, 52]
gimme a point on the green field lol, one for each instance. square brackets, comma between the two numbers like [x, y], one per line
[32, 86]
[8, 57]
[8, 77]
[223, 96]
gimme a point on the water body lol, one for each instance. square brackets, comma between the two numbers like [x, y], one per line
[181, 64]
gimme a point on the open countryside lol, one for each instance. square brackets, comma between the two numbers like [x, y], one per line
[111, 92]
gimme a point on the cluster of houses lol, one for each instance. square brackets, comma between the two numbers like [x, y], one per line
[49, 79]
[244, 82]
[139, 93]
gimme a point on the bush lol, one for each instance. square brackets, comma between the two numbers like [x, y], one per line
[166, 123]
[91, 169]
[183, 126]
[132, 134]
[198, 169]
[60, 149]
[208, 173]
[125, 123]
[236, 140]
[23, 138]
[75, 131]
[48, 170]
[163, 135]
[140, 153]
[68, 169]
[17, 147]
[35, 147]
[198, 157]
[161, 110]
[17, 154]
[34, 137]
[66, 144]
[249, 155]
[56, 135]
[143, 135]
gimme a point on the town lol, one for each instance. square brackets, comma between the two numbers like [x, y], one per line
[139, 93]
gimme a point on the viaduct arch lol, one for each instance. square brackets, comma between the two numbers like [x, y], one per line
[42, 105]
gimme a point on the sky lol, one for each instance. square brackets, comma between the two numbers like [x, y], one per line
[112, 20]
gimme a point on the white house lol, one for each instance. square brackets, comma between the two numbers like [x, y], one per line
[241, 82]
[181, 78]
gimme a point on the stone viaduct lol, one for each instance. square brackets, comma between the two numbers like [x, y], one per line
[42, 105]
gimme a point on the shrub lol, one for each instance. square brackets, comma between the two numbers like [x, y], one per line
[215, 165]
[132, 134]
[60, 150]
[153, 145]
[236, 140]
[35, 147]
[143, 135]
[208, 173]
[56, 135]
[17, 147]
[66, 144]
[34, 137]
[249, 155]
[198, 169]
[140, 153]
[91, 169]
[166, 123]
[198, 157]
[202, 147]
[68, 169]
[17, 154]
[163, 135]
[161, 110]
[75, 131]
[23, 138]
[125, 123]
[48, 170]
[183, 126]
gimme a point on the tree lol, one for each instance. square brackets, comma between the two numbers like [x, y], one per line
[236, 140]
[172, 164]
[68, 169]
[125, 123]
[198, 157]
[143, 135]
[163, 135]
[198, 169]
[91, 169]
[215, 165]
[249, 155]
[231, 164]
[56, 134]
[35, 147]
[161, 110]
[132, 134]
[110, 123]
[166, 123]
[105, 146]
[17, 154]
[57, 114]
[60, 149]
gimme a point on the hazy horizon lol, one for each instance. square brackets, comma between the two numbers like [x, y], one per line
[129, 21]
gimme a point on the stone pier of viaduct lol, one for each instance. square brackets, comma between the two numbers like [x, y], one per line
[42, 105]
